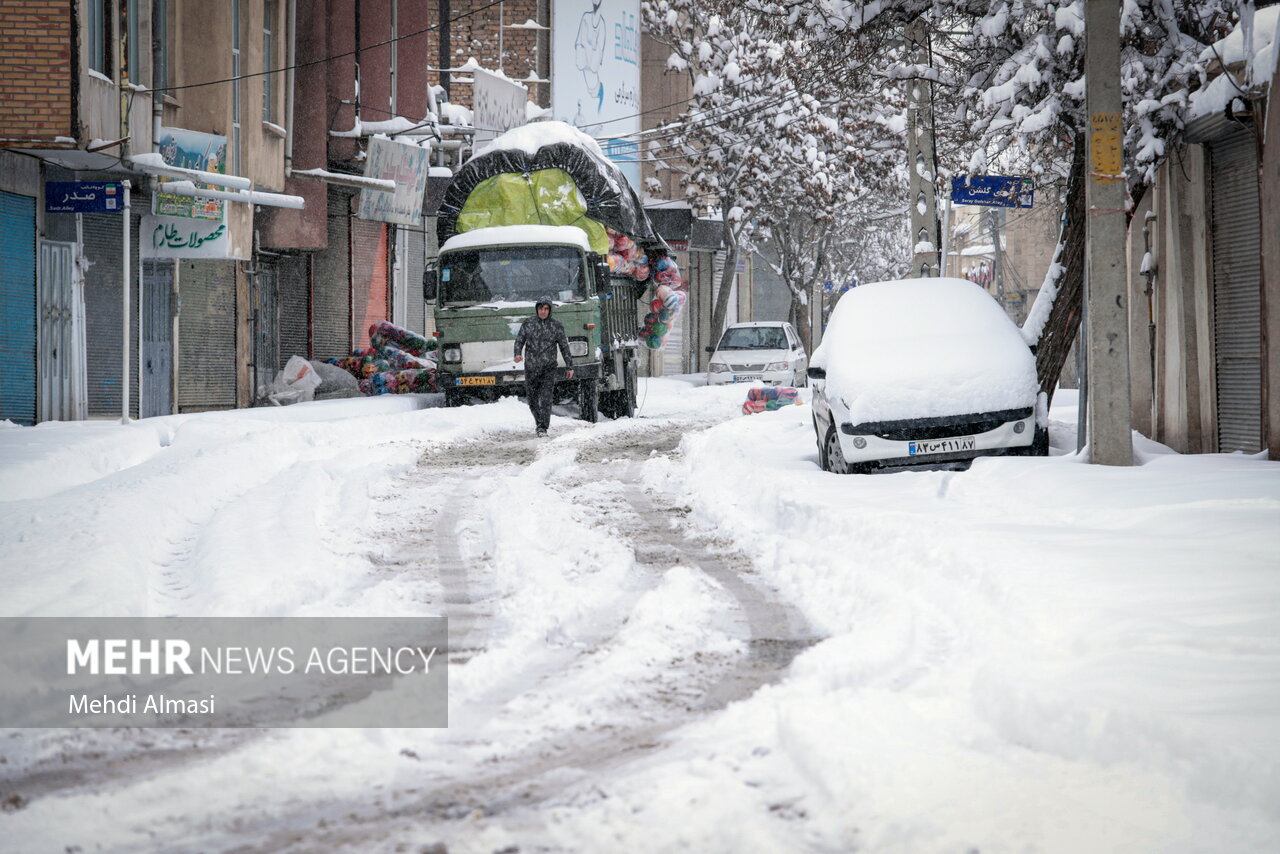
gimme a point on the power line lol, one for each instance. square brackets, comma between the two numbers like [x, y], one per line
[330, 58]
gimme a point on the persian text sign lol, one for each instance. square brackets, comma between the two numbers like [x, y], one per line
[595, 72]
[499, 105]
[83, 197]
[224, 672]
[405, 164]
[993, 191]
[189, 149]
[166, 237]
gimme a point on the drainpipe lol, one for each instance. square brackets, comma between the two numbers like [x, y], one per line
[157, 98]
[395, 54]
[291, 54]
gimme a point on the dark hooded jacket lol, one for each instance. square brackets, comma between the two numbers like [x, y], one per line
[538, 340]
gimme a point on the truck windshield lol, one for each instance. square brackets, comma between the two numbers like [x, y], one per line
[511, 274]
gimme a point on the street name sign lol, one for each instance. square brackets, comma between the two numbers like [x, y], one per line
[83, 197]
[998, 191]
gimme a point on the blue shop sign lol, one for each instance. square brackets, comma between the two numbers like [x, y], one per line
[83, 197]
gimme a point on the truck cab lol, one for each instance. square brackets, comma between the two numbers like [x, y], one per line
[487, 284]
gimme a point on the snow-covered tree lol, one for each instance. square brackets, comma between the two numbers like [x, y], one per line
[1016, 71]
[756, 147]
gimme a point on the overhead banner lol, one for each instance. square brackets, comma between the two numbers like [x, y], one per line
[405, 164]
[169, 237]
[595, 74]
[189, 149]
[499, 105]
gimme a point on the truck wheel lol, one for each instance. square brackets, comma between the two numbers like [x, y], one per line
[588, 400]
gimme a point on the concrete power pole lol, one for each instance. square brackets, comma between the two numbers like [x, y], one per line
[1106, 307]
[922, 194]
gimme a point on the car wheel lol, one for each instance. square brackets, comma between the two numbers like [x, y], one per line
[833, 454]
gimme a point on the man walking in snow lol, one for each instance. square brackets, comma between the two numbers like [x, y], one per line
[540, 336]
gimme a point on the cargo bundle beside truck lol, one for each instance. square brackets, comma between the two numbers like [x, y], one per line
[541, 212]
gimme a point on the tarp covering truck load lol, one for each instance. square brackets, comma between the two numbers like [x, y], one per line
[540, 211]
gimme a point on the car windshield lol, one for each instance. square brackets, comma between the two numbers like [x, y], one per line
[511, 274]
[753, 338]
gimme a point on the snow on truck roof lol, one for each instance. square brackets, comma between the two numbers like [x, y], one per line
[530, 137]
[564, 235]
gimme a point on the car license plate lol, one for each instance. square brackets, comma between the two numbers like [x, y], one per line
[477, 381]
[942, 446]
[746, 378]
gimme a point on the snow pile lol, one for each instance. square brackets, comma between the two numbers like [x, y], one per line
[530, 137]
[922, 348]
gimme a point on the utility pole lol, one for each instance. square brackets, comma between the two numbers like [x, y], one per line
[994, 217]
[922, 190]
[1106, 305]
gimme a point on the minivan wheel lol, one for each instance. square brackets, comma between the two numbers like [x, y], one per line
[833, 456]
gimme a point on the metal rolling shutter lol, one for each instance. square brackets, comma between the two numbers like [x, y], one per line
[331, 318]
[414, 263]
[369, 277]
[295, 308]
[103, 297]
[18, 308]
[206, 335]
[1237, 293]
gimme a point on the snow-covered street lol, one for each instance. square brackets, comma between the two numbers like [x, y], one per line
[672, 633]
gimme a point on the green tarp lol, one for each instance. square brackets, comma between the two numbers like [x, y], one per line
[544, 197]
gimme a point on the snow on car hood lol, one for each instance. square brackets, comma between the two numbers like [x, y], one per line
[921, 348]
[751, 357]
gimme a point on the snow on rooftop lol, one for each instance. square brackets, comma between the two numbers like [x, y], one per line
[1242, 69]
[566, 235]
[920, 348]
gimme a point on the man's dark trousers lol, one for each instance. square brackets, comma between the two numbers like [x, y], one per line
[539, 389]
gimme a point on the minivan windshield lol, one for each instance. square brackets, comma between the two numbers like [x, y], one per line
[753, 338]
[511, 274]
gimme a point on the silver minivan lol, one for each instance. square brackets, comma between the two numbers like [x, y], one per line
[763, 351]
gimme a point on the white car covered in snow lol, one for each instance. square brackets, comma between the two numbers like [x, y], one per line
[922, 373]
[766, 352]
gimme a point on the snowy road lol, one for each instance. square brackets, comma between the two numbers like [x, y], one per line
[667, 634]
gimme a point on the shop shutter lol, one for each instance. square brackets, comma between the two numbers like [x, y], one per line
[295, 308]
[1237, 293]
[18, 308]
[206, 335]
[103, 298]
[414, 264]
[331, 317]
[369, 277]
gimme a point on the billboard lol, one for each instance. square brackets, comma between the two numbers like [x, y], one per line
[405, 164]
[595, 74]
[498, 104]
[190, 149]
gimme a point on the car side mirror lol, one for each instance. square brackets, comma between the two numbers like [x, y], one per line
[816, 373]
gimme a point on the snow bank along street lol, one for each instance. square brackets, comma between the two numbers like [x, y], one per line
[673, 633]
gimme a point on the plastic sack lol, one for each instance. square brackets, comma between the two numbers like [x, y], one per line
[297, 382]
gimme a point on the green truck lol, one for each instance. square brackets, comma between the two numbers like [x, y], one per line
[541, 212]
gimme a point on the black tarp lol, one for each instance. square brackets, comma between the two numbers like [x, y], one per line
[610, 199]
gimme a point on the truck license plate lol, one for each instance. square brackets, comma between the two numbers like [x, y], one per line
[942, 446]
[477, 381]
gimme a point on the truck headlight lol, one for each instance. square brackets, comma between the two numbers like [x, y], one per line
[451, 353]
[718, 368]
[778, 366]
[577, 346]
